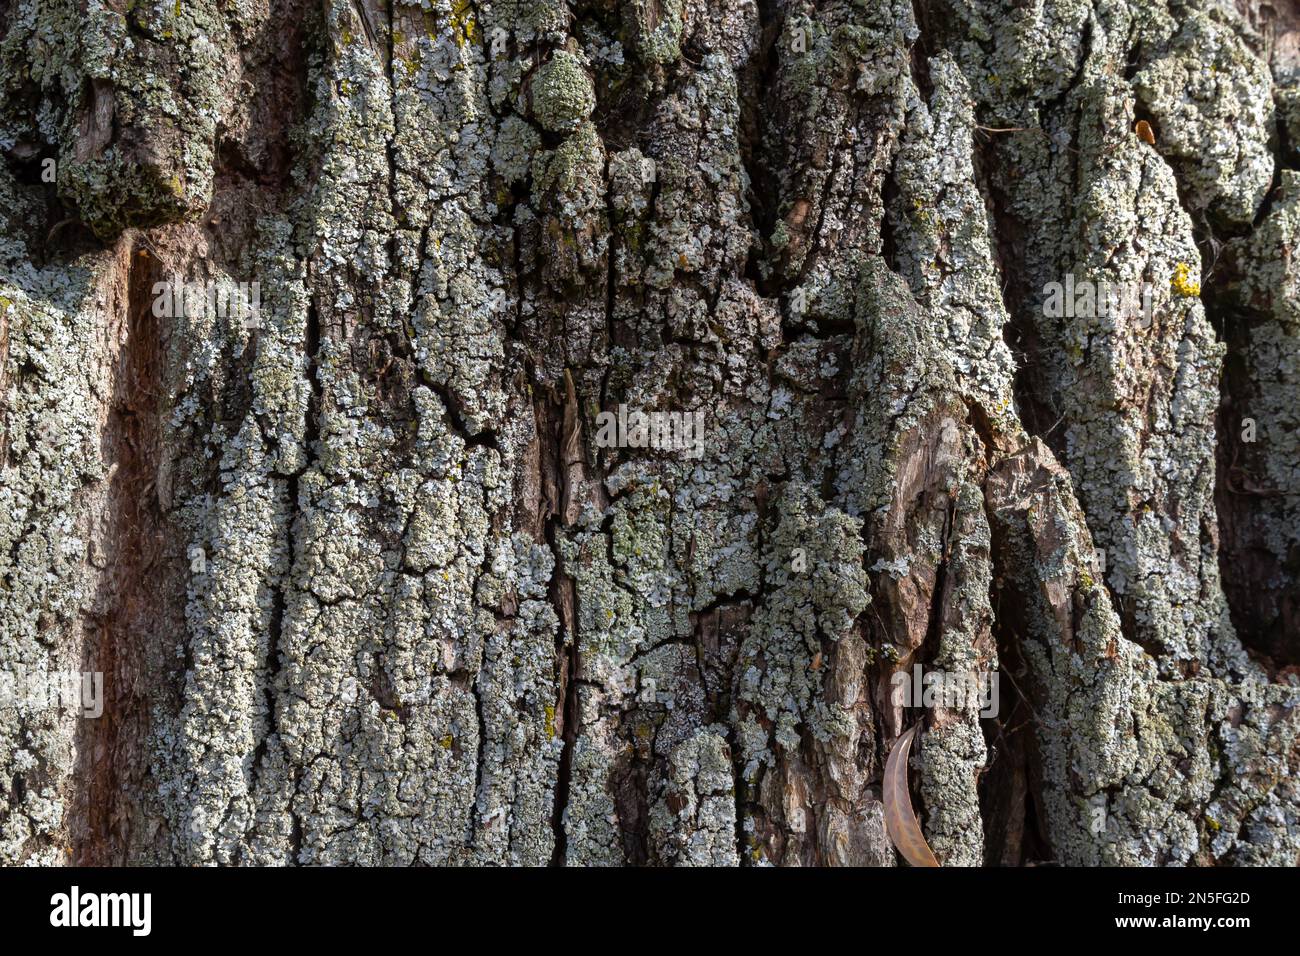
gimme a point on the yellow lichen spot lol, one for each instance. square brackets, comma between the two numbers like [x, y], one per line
[447, 741]
[550, 722]
[176, 10]
[463, 27]
[1184, 281]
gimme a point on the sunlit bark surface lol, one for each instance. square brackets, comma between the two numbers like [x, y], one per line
[384, 571]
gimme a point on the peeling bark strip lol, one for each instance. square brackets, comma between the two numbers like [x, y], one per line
[408, 571]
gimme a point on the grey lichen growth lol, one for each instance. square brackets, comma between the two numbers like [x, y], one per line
[1212, 104]
[371, 592]
[656, 26]
[562, 92]
[132, 101]
[693, 821]
[779, 705]
[50, 459]
[943, 245]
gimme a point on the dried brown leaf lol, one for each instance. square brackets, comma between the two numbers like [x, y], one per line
[900, 818]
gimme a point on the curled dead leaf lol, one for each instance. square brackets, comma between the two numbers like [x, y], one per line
[900, 819]
[1144, 132]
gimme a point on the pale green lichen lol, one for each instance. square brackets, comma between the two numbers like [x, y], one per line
[409, 544]
[562, 92]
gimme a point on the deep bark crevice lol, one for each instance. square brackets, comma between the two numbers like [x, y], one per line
[136, 597]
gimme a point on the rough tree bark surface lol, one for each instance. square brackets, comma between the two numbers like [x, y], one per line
[365, 589]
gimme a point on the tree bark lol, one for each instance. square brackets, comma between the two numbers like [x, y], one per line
[363, 583]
